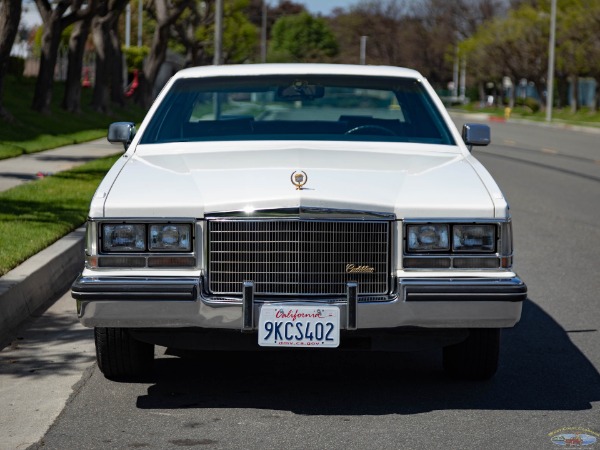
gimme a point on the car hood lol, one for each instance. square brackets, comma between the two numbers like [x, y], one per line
[197, 179]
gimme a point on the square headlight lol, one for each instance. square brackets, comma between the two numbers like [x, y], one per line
[474, 238]
[170, 237]
[427, 237]
[123, 237]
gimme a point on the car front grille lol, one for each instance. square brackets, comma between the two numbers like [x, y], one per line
[298, 257]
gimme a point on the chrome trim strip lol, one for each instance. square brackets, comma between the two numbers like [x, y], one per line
[303, 212]
[459, 220]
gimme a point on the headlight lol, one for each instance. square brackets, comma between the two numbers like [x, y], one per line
[170, 237]
[123, 237]
[428, 237]
[474, 238]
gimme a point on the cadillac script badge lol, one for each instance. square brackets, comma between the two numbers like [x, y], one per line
[299, 179]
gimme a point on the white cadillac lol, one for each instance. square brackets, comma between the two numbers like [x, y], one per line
[298, 205]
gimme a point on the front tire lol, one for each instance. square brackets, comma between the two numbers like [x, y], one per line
[476, 358]
[120, 356]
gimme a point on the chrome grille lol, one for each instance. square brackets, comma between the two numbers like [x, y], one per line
[297, 257]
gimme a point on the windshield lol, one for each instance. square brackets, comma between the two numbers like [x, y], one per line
[302, 107]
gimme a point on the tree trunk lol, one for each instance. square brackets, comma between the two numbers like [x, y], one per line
[100, 96]
[72, 97]
[42, 95]
[574, 93]
[10, 14]
[109, 69]
[157, 55]
[117, 83]
[562, 86]
[166, 15]
[596, 101]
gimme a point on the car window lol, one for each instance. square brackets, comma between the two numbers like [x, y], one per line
[300, 107]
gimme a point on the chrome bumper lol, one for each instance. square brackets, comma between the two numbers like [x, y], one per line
[139, 302]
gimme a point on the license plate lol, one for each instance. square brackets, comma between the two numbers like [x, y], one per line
[299, 326]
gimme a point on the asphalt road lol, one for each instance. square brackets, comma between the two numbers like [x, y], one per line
[548, 380]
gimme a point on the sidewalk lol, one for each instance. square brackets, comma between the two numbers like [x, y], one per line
[43, 277]
[22, 169]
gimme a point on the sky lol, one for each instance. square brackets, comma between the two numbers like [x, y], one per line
[31, 17]
[324, 7]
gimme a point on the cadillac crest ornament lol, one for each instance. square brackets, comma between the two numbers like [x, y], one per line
[299, 179]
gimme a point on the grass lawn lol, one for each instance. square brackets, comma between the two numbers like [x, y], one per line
[583, 117]
[38, 213]
[33, 132]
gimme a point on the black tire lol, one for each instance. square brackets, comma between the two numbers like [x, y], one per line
[120, 356]
[476, 358]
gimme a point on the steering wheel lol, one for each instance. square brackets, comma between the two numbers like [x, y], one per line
[371, 130]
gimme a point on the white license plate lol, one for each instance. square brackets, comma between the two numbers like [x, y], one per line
[299, 326]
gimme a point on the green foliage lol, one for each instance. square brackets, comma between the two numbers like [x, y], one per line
[135, 56]
[240, 36]
[38, 213]
[530, 105]
[302, 38]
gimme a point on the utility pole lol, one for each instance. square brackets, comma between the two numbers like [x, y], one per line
[363, 49]
[550, 80]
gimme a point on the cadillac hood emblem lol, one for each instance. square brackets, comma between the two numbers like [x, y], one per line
[299, 179]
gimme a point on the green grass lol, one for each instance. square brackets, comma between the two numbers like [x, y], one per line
[33, 132]
[583, 117]
[37, 214]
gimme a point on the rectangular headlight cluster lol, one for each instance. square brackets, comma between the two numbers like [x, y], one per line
[152, 237]
[460, 245]
[444, 238]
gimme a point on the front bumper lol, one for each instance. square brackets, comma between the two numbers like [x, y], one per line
[146, 302]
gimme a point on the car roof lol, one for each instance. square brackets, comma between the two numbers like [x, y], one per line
[296, 69]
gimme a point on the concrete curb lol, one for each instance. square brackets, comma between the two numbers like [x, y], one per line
[41, 278]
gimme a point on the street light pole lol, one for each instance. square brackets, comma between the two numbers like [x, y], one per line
[550, 80]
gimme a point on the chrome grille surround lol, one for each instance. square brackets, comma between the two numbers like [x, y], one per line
[297, 256]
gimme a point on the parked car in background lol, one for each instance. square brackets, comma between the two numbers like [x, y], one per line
[304, 206]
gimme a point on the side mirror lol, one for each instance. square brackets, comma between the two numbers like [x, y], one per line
[121, 132]
[476, 134]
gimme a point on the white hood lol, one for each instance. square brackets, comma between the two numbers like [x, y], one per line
[197, 179]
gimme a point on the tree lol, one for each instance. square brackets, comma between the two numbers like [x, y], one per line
[10, 14]
[195, 31]
[302, 38]
[56, 17]
[165, 13]
[109, 69]
[77, 41]
[515, 46]
[386, 24]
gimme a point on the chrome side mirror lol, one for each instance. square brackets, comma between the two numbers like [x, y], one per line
[121, 132]
[476, 134]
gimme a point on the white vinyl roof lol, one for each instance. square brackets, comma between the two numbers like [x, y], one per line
[296, 69]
